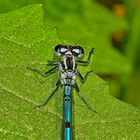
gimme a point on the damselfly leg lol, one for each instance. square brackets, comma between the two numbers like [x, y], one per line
[83, 79]
[44, 74]
[50, 96]
[81, 97]
[88, 60]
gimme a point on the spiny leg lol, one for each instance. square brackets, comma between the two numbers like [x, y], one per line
[89, 56]
[85, 77]
[81, 97]
[44, 74]
[50, 96]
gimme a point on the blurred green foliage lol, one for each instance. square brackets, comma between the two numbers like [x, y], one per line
[131, 45]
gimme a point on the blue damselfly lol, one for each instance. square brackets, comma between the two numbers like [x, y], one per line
[67, 66]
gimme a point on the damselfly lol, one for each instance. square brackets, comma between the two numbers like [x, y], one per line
[67, 66]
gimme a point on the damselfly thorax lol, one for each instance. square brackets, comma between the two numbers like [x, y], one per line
[68, 69]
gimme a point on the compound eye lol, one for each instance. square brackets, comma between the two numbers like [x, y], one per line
[63, 50]
[60, 50]
[78, 51]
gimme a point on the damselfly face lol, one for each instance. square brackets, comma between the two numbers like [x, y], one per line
[76, 51]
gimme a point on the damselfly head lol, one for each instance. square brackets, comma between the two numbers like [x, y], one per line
[76, 51]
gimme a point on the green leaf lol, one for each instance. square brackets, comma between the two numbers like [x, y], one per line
[87, 22]
[31, 44]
